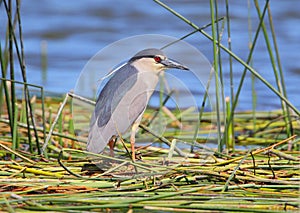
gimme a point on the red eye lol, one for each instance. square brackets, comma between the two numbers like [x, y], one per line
[157, 59]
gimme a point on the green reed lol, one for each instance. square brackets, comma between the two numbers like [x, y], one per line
[15, 45]
[285, 108]
[216, 43]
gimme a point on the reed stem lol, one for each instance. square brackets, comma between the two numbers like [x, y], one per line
[218, 85]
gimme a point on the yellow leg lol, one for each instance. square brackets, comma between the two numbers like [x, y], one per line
[132, 139]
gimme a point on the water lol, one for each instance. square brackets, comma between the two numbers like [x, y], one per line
[76, 30]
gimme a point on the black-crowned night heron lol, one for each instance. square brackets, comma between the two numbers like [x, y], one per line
[124, 98]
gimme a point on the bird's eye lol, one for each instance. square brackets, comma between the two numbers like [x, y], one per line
[157, 59]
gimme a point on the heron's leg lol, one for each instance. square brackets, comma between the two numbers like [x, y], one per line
[132, 139]
[111, 144]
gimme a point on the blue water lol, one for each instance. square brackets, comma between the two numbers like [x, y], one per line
[74, 31]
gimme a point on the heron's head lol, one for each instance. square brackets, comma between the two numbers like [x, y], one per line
[154, 60]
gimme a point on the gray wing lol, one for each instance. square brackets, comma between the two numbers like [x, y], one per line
[108, 99]
[111, 94]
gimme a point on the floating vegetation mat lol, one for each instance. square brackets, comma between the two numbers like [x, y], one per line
[264, 180]
[262, 177]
